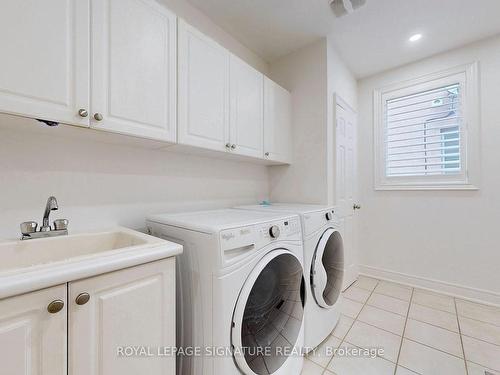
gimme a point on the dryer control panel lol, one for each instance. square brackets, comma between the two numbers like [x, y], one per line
[317, 219]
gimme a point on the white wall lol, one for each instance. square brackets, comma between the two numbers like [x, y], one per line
[304, 73]
[439, 239]
[313, 74]
[100, 184]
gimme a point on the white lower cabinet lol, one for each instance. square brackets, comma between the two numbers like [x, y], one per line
[93, 324]
[134, 307]
[33, 340]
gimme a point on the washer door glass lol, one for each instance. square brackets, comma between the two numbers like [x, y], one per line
[267, 320]
[327, 269]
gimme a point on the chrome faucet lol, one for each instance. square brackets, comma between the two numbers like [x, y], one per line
[60, 228]
[50, 206]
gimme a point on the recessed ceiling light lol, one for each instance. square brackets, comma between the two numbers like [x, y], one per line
[415, 37]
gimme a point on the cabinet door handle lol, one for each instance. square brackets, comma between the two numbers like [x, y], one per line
[83, 112]
[98, 116]
[55, 306]
[82, 298]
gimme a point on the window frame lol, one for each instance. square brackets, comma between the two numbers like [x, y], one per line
[468, 179]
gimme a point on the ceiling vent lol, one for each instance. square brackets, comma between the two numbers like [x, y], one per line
[342, 7]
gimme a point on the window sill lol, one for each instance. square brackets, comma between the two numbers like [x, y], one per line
[426, 187]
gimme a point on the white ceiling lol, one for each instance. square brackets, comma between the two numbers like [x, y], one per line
[372, 39]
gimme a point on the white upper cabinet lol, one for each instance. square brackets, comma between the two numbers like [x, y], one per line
[277, 123]
[32, 339]
[246, 109]
[44, 67]
[134, 68]
[203, 78]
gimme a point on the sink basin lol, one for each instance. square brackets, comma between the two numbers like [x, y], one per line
[34, 264]
[29, 253]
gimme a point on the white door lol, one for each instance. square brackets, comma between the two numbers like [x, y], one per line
[277, 122]
[32, 339]
[44, 65]
[346, 185]
[246, 108]
[134, 68]
[203, 90]
[135, 306]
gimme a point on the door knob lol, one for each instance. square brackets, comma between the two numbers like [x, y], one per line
[356, 206]
[83, 112]
[82, 298]
[98, 116]
[55, 306]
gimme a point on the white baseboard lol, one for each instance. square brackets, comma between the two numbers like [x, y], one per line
[464, 292]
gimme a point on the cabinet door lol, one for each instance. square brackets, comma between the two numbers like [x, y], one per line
[32, 340]
[134, 307]
[44, 68]
[134, 68]
[277, 122]
[246, 108]
[203, 90]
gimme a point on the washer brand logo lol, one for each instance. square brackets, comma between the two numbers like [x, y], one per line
[227, 236]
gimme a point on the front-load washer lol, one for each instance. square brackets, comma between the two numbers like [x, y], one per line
[240, 291]
[323, 266]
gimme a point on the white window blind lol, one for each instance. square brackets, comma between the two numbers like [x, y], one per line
[423, 131]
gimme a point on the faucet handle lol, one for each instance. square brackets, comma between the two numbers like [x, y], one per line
[28, 227]
[61, 224]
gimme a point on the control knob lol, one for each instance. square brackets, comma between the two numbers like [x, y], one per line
[329, 216]
[274, 231]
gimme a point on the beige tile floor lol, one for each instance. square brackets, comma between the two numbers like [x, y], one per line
[421, 332]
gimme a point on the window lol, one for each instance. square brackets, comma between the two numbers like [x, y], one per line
[426, 132]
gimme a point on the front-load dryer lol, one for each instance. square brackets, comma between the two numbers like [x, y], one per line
[323, 266]
[240, 284]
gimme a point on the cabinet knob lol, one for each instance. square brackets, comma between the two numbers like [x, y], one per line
[55, 306]
[356, 207]
[228, 145]
[233, 146]
[82, 298]
[98, 116]
[266, 154]
[83, 112]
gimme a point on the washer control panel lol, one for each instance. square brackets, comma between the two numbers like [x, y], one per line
[284, 230]
[238, 242]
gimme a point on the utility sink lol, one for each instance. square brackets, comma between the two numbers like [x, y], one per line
[39, 263]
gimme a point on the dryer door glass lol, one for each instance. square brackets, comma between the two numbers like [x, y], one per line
[327, 269]
[268, 317]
